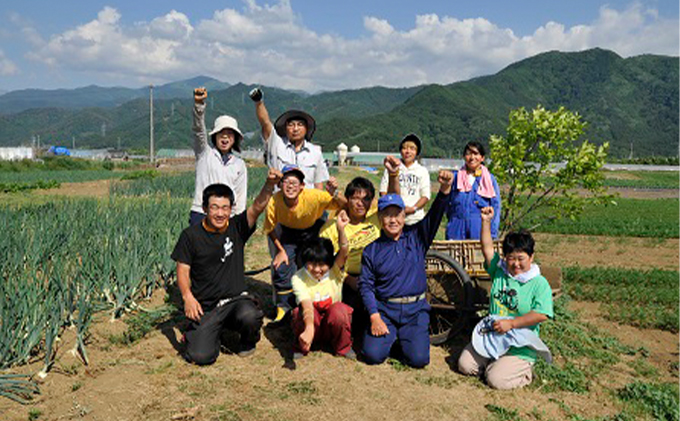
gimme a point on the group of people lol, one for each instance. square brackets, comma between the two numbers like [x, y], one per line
[347, 271]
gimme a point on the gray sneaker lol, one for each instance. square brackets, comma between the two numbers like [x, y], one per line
[246, 352]
[350, 355]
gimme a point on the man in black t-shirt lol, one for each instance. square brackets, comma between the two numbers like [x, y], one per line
[210, 273]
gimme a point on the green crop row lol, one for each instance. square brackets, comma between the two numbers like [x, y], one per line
[59, 176]
[643, 179]
[647, 299]
[177, 185]
[19, 186]
[64, 260]
[629, 217]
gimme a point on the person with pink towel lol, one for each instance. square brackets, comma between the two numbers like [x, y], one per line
[474, 188]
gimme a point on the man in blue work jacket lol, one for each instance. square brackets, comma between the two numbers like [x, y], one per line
[393, 281]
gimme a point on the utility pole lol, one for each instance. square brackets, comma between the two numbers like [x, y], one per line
[73, 142]
[151, 154]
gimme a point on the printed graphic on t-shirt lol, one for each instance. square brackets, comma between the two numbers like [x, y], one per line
[410, 184]
[228, 249]
[322, 302]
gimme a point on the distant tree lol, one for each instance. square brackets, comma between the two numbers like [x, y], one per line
[542, 162]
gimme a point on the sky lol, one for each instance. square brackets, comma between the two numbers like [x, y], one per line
[310, 45]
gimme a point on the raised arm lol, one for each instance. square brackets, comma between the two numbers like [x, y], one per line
[198, 122]
[261, 111]
[485, 236]
[339, 199]
[341, 221]
[392, 166]
[262, 199]
[427, 227]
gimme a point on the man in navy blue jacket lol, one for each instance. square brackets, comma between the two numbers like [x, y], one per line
[393, 281]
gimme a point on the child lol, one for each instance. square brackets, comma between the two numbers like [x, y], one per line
[519, 294]
[321, 315]
[414, 180]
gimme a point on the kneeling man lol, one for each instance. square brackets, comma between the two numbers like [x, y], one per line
[393, 281]
[210, 273]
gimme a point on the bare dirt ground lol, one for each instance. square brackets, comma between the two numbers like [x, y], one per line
[150, 381]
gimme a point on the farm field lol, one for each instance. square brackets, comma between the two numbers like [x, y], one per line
[615, 335]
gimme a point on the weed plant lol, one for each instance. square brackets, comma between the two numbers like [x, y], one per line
[658, 400]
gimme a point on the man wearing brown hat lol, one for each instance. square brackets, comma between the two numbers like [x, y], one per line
[288, 142]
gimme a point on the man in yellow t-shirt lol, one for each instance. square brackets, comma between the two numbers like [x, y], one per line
[297, 210]
[363, 228]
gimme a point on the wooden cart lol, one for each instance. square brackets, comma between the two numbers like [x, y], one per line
[458, 286]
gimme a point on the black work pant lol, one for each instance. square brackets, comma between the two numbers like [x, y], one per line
[203, 337]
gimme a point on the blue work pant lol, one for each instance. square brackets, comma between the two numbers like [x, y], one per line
[408, 324]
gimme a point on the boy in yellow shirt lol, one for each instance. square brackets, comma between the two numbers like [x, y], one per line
[298, 211]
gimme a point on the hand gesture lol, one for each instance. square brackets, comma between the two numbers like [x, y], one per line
[342, 219]
[273, 177]
[200, 94]
[378, 327]
[192, 308]
[392, 164]
[487, 214]
[256, 95]
[281, 257]
[306, 338]
[503, 326]
[331, 185]
[445, 178]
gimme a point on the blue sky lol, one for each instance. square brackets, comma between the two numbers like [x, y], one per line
[310, 45]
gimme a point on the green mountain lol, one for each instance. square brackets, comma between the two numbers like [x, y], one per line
[97, 96]
[625, 101]
[628, 102]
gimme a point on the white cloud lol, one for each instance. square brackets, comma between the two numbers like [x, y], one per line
[7, 67]
[271, 45]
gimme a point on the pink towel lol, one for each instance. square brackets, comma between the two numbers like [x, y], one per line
[485, 184]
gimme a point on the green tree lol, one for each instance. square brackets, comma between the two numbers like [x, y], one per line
[542, 161]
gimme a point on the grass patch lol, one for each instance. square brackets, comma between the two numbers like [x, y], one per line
[445, 382]
[647, 299]
[586, 352]
[658, 400]
[629, 217]
[503, 414]
[140, 324]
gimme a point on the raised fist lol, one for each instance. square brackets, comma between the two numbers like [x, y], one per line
[256, 94]
[200, 94]
[445, 178]
[487, 213]
[392, 164]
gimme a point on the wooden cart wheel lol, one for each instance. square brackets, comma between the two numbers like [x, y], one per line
[449, 292]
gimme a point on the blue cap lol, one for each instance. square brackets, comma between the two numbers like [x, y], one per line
[294, 169]
[390, 199]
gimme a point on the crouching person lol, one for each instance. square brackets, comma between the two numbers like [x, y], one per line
[393, 280]
[505, 345]
[210, 274]
[321, 316]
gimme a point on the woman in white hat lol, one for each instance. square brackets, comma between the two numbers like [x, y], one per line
[215, 162]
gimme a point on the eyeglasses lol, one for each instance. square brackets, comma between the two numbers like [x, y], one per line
[291, 182]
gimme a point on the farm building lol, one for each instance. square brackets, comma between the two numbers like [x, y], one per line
[16, 153]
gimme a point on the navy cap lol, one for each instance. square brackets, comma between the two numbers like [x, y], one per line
[390, 199]
[293, 169]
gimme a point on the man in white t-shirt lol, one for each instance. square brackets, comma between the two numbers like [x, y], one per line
[414, 179]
